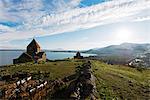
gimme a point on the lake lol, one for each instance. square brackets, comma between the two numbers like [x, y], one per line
[6, 57]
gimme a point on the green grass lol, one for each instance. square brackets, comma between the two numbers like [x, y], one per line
[121, 82]
[115, 82]
[58, 69]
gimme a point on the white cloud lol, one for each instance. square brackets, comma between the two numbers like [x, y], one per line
[142, 19]
[67, 16]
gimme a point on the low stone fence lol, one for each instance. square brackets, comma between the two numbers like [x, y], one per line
[84, 86]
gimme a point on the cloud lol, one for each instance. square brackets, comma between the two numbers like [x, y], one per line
[142, 19]
[5, 29]
[54, 17]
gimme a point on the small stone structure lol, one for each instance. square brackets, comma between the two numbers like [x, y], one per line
[33, 53]
[78, 56]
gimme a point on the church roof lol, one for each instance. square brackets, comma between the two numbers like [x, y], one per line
[25, 55]
[34, 44]
[40, 54]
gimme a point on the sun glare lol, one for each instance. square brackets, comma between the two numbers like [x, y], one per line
[124, 35]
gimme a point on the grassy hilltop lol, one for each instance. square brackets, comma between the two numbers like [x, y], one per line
[112, 81]
[54, 69]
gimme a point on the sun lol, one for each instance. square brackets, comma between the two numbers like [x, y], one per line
[124, 34]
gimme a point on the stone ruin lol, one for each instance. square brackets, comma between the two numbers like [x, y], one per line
[25, 87]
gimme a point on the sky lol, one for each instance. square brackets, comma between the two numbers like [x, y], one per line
[73, 24]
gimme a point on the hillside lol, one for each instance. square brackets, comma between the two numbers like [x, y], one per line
[125, 49]
[122, 82]
[120, 54]
[56, 69]
[112, 81]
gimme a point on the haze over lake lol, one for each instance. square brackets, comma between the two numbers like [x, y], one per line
[6, 57]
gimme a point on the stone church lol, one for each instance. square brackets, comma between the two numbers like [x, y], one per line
[78, 56]
[33, 54]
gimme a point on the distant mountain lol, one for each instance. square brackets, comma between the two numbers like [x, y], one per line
[124, 49]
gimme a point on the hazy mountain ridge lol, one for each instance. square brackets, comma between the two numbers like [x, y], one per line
[124, 49]
[122, 54]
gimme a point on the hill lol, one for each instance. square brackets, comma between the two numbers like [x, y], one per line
[112, 81]
[120, 54]
[125, 49]
[122, 82]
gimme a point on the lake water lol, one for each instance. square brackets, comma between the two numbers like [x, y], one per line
[6, 57]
